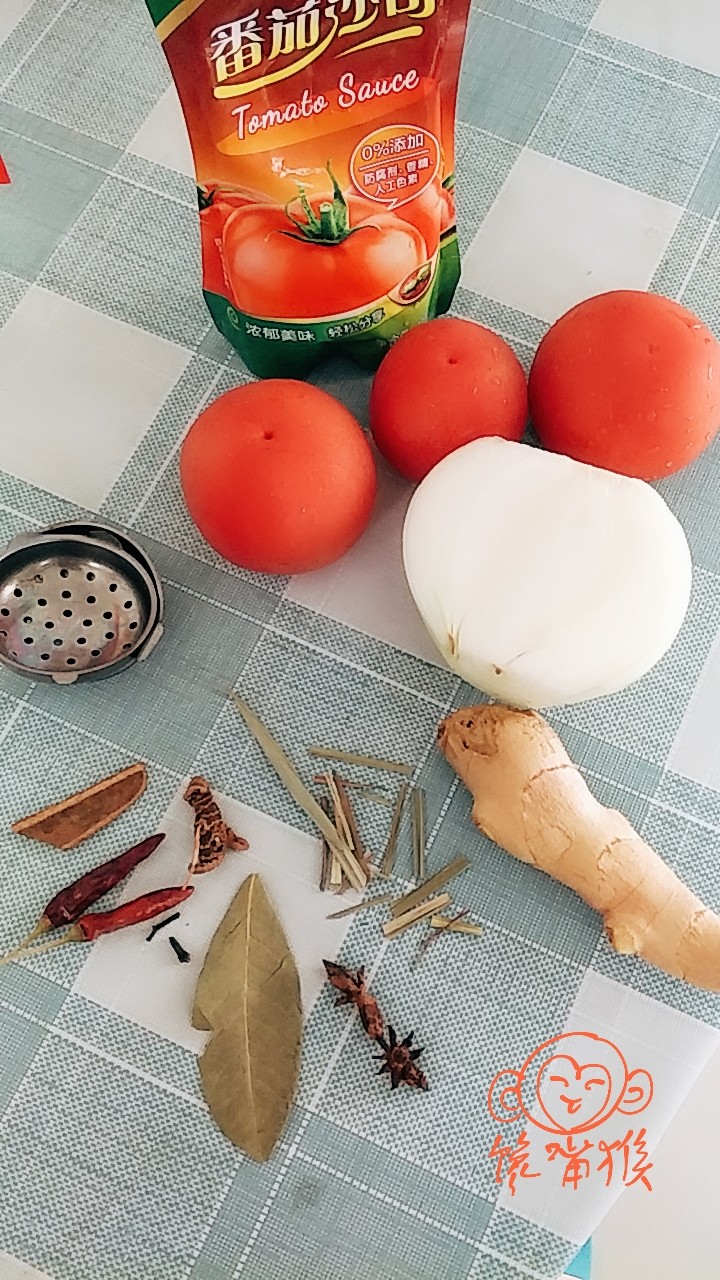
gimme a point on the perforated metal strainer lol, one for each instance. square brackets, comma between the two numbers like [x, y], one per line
[77, 601]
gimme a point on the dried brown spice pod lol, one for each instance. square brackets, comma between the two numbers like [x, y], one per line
[353, 991]
[398, 1057]
[399, 1061]
[67, 823]
[248, 995]
[213, 837]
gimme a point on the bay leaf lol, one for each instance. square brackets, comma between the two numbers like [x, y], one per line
[248, 996]
[199, 1021]
[209, 989]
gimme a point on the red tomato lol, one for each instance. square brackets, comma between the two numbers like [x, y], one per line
[427, 212]
[275, 272]
[228, 199]
[359, 207]
[449, 217]
[441, 385]
[213, 271]
[216, 205]
[628, 381]
[424, 215]
[278, 476]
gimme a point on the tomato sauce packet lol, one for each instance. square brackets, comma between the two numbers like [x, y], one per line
[323, 138]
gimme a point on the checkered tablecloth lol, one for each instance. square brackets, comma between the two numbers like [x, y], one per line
[588, 158]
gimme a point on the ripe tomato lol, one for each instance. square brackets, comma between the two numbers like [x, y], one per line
[278, 476]
[441, 385]
[427, 212]
[277, 273]
[359, 207]
[448, 216]
[627, 381]
[216, 204]
[213, 271]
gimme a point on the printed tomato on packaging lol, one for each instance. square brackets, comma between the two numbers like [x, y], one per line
[323, 138]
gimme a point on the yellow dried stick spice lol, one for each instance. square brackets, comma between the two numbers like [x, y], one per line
[437, 881]
[357, 758]
[399, 924]
[456, 926]
[388, 860]
[290, 777]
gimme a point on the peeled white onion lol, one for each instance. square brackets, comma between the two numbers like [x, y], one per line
[542, 580]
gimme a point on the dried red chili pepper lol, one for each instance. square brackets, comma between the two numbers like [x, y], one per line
[93, 924]
[353, 991]
[69, 904]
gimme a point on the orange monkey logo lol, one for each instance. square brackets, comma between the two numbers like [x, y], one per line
[570, 1084]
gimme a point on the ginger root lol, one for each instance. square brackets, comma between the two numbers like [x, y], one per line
[531, 800]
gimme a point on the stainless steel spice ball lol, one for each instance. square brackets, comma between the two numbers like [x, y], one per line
[78, 601]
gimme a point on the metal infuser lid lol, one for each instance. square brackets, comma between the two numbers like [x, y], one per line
[77, 600]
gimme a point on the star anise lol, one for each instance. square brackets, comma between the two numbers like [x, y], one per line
[399, 1061]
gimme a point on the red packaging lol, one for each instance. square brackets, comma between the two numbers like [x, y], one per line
[323, 140]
